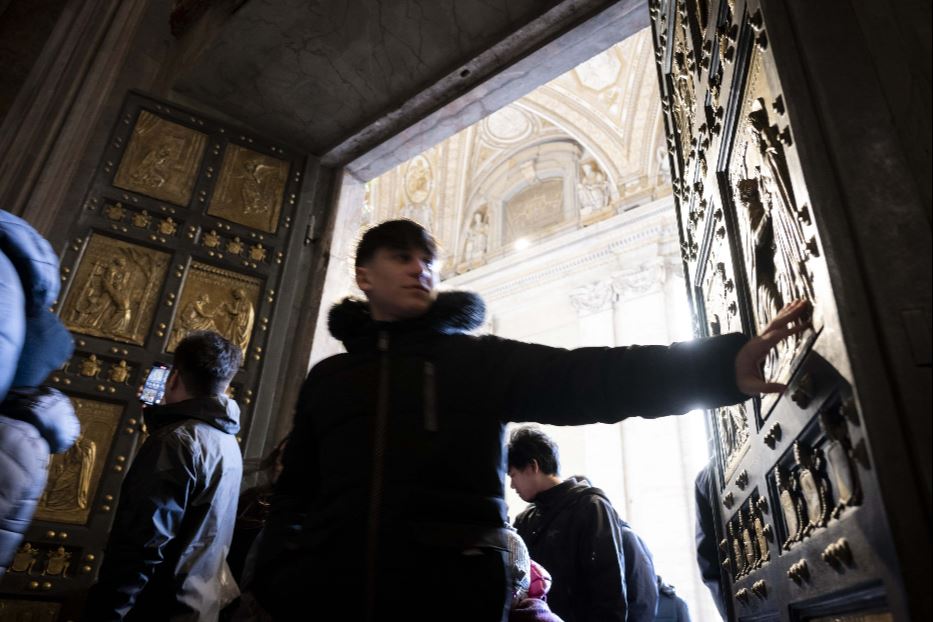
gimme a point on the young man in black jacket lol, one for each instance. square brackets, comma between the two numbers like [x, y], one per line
[177, 508]
[392, 493]
[602, 570]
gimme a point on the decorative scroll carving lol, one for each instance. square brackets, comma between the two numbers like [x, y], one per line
[217, 300]
[29, 610]
[592, 298]
[250, 189]
[75, 474]
[776, 234]
[114, 291]
[161, 160]
[683, 86]
[533, 208]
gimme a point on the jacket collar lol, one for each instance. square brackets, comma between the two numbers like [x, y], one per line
[453, 312]
[219, 411]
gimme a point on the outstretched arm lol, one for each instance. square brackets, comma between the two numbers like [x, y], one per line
[792, 320]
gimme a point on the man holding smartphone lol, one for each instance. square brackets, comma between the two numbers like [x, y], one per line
[174, 522]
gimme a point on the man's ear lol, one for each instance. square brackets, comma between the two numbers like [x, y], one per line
[535, 467]
[362, 278]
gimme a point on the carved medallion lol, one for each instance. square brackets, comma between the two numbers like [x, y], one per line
[218, 300]
[250, 189]
[418, 180]
[114, 291]
[161, 160]
[75, 474]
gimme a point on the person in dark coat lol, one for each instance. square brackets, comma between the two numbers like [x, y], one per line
[34, 420]
[707, 543]
[671, 607]
[166, 555]
[393, 477]
[601, 568]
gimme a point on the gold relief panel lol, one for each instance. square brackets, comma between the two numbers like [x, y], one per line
[535, 207]
[217, 300]
[777, 236]
[161, 160]
[250, 189]
[28, 610]
[114, 291]
[75, 474]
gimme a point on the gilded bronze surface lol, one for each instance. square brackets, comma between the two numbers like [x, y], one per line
[75, 474]
[114, 291]
[856, 617]
[250, 189]
[28, 611]
[25, 559]
[777, 242]
[218, 300]
[161, 160]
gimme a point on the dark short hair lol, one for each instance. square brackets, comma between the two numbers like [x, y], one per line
[396, 235]
[530, 443]
[206, 363]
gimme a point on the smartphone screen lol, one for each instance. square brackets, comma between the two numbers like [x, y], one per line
[154, 387]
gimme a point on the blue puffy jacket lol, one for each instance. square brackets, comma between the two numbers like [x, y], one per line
[33, 342]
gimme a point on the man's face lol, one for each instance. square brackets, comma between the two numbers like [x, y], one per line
[525, 481]
[400, 284]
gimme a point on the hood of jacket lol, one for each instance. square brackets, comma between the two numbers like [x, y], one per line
[219, 411]
[567, 492]
[46, 409]
[453, 312]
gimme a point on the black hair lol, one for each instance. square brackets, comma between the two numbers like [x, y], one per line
[206, 363]
[530, 443]
[397, 235]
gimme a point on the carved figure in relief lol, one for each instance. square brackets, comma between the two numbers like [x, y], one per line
[418, 181]
[733, 432]
[760, 537]
[119, 372]
[196, 316]
[812, 488]
[738, 555]
[104, 301]
[592, 189]
[69, 480]
[477, 237]
[242, 316]
[748, 542]
[842, 474]
[25, 558]
[155, 167]
[59, 561]
[90, 367]
[790, 507]
[259, 188]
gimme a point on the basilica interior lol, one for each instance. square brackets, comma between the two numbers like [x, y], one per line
[601, 172]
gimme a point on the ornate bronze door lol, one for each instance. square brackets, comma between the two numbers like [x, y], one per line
[185, 227]
[803, 531]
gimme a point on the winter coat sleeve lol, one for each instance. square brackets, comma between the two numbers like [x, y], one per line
[600, 560]
[707, 546]
[152, 503]
[605, 385]
[24, 458]
[641, 582]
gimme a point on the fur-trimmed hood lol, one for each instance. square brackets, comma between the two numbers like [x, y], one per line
[452, 312]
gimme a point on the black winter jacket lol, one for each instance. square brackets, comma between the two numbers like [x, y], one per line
[602, 570]
[398, 444]
[175, 518]
[33, 424]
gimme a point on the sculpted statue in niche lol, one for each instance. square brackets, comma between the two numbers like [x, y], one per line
[477, 238]
[114, 291]
[69, 479]
[592, 189]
